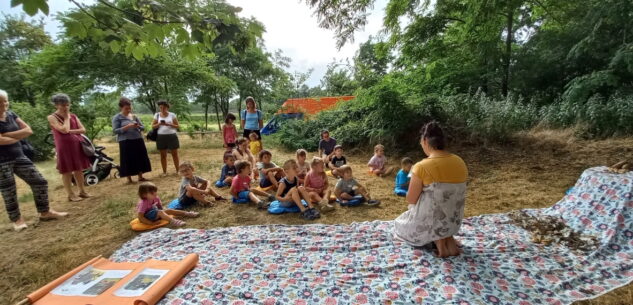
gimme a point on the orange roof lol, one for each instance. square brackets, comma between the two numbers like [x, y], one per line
[312, 105]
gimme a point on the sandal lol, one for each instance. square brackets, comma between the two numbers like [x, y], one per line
[84, 195]
[75, 199]
[54, 215]
[192, 214]
[373, 202]
[20, 227]
[177, 222]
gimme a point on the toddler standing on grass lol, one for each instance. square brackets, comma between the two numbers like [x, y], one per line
[229, 132]
[290, 193]
[304, 167]
[402, 178]
[255, 144]
[347, 187]
[150, 210]
[378, 163]
[316, 184]
[193, 188]
[228, 172]
[241, 186]
[269, 172]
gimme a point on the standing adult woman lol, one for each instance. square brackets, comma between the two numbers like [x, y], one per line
[167, 139]
[71, 160]
[252, 119]
[436, 196]
[14, 162]
[128, 129]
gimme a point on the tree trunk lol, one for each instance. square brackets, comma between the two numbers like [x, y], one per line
[206, 116]
[217, 115]
[508, 52]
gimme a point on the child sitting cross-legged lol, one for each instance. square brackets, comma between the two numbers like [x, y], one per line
[194, 188]
[347, 187]
[269, 172]
[337, 160]
[316, 184]
[402, 178]
[241, 186]
[228, 171]
[378, 163]
[304, 167]
[290, 193]
[150, 210]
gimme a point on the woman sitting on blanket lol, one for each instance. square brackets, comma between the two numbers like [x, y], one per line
[436, 196]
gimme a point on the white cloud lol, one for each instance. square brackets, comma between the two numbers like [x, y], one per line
[291, 27]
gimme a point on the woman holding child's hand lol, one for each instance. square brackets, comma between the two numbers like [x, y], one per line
[436, 196]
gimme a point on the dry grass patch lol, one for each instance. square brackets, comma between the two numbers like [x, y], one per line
[534, 172]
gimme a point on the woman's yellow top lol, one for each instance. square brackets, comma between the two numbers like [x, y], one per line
[445, 169]
[255, 147]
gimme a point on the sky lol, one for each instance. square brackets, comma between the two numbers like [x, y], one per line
[289, 24]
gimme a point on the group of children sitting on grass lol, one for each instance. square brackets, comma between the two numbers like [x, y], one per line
[297, 183]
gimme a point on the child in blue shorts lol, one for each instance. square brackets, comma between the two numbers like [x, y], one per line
[150, 209]
[228, 172]
[269, 172]
[194, 189]
[402, 178]
[290, 193]
[241, 187]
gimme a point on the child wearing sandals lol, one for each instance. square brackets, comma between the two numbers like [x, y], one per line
[150, 210]
[304, 167]
[378, 163]
[316, 184]
[347, 187]
[194, 188]
[290, 193]
[241, 186]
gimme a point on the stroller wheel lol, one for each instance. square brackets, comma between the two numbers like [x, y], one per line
[91, 179]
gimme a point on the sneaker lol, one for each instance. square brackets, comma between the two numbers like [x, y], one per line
[271, 198]
[307, 214]
[373, 202]
[263, 204]
[315, 213]
[327, 208]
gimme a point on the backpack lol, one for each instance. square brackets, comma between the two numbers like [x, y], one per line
[259, 115]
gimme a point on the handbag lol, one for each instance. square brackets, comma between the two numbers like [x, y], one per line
[152, 135]
[86, 146]
[27, 149]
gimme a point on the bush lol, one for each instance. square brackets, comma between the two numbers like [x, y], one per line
[377, 115]
[597, 117]
[36, 118]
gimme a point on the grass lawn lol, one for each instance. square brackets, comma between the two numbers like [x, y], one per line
[533, 172]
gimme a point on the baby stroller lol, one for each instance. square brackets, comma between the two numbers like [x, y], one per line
[101, 164]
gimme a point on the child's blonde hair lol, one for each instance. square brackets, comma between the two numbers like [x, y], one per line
[315, 161]
[253, 135]
[345, 169]
[379, 146]
[301, 152]
[185, 165]
[290, 164]
[146, 188]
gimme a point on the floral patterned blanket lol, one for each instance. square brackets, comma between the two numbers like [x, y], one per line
[361, 263]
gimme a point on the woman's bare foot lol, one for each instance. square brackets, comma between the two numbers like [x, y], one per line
[442, 250]
[52, 214]
[451, 245]
[74, 198]
[129, 180]
[84, 195]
